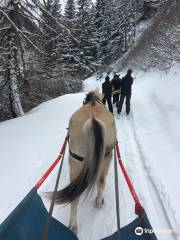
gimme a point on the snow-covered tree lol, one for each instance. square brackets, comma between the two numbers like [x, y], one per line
[70, 10]
[51, 32]
[78, 57]
[15, 22]
[84, 30]
[103, 26]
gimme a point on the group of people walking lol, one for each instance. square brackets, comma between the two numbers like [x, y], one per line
[118, 88]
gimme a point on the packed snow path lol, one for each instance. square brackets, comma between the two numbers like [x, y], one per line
[149, 141]
[149, 186]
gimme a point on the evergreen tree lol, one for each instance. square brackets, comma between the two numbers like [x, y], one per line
[70, 10]
[68, 48]
[78, 57]
[85, 34]
[124, 19]
[16, 25]
[12, 67]
[117, 36]
[56, 8]
[139, 10]
[103, 26]
[52, 36]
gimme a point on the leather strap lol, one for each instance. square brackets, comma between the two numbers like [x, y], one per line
[77, 157]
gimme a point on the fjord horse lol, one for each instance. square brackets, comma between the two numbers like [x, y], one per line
[92, 137]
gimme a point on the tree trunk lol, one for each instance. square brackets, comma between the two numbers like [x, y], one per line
[17, 109]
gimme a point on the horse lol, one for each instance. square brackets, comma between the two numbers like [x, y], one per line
[92, 137]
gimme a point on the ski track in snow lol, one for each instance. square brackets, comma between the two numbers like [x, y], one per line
[156, 189]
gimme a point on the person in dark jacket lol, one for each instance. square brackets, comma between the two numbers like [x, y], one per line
[107, 93]
[116, 82]
[126, 84]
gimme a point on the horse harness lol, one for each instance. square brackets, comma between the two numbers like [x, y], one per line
[79, 158]
[91, 98]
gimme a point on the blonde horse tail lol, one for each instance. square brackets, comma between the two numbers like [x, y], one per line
[94, 132]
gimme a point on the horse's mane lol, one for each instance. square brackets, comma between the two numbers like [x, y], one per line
[92, 97]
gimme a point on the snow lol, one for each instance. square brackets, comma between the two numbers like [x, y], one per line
[149, 141]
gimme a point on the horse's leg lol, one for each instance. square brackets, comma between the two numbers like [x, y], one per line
[75, 169]
[100, 188]
[99, 201]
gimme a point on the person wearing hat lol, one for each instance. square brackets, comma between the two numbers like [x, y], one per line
[126, 84]
[107, 93]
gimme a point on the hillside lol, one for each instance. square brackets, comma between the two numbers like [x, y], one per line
[158, 47]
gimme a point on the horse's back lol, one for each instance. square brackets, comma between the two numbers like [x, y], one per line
[98, 111]
[88, 112]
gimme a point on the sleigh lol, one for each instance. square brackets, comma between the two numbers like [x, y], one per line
[31, 221]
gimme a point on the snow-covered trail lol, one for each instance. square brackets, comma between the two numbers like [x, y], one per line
[149, 142]
[146, 186]
[150, 152]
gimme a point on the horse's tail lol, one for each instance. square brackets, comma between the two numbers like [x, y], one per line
[94, 131]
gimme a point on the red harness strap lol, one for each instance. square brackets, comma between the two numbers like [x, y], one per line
[46, 174]
[138, 206]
